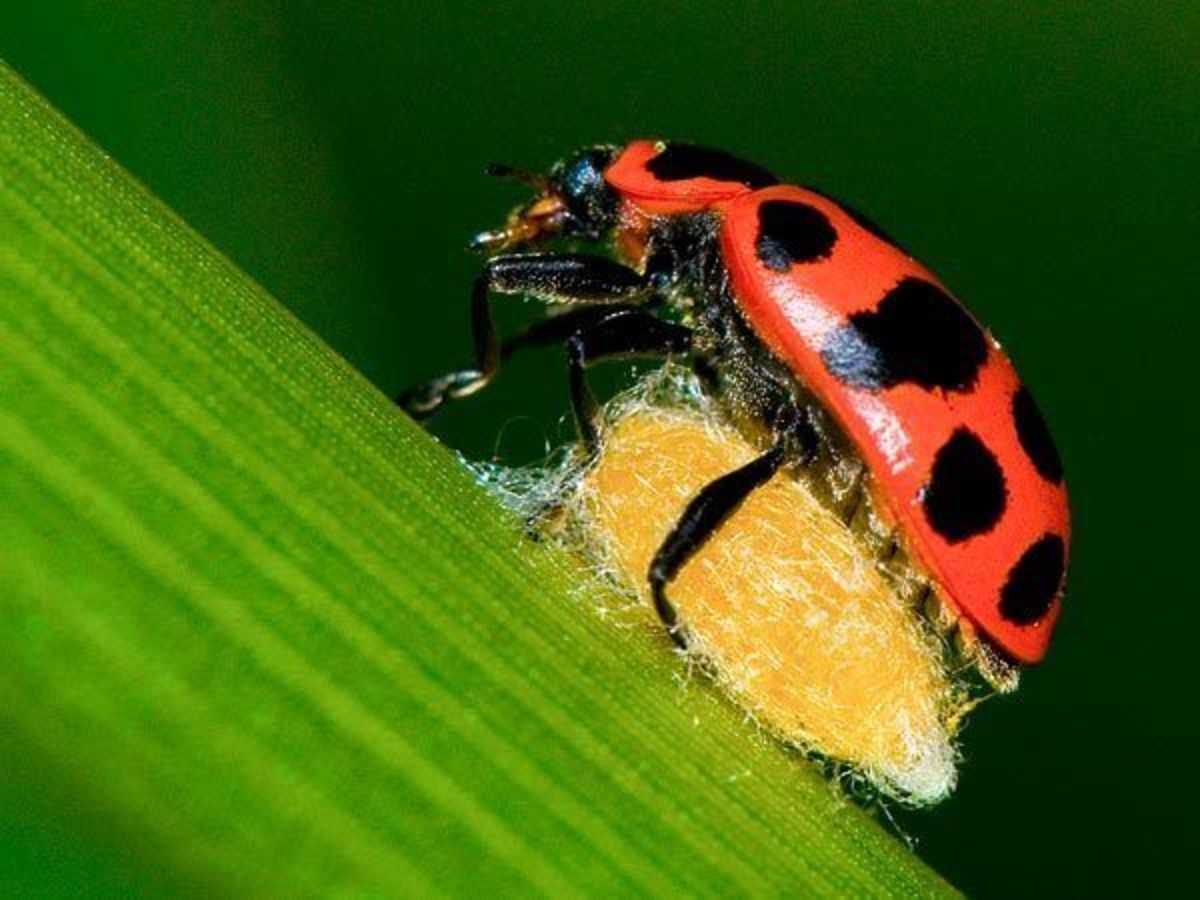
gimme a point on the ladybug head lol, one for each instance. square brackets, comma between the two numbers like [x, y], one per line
[573, 200]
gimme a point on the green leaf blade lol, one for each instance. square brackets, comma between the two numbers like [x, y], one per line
[281, 640]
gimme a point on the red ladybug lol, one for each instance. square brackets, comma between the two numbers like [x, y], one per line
[829, 345]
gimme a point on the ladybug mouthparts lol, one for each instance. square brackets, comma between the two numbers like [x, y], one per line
[540, 217]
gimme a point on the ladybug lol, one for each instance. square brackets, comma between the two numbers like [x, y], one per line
[840, 356]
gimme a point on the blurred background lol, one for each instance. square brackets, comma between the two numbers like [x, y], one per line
[1042, 158]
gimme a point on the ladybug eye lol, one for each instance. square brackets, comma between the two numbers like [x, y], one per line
[584, 174]
[591, 203]
[581, 181]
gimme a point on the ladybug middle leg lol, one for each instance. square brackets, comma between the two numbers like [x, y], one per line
[714, 504]
[620, 335]
[566, 278]
[594, 334]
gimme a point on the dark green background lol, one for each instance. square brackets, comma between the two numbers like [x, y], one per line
[1043, 161]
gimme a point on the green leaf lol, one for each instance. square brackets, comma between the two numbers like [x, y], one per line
[262, 634]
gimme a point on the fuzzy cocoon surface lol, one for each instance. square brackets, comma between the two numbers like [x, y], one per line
[782, 605]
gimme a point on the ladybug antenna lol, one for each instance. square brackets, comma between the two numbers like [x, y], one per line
[511, 173]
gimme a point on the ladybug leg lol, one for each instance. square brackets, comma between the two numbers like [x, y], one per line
[556, 328]
[619, 335]
[706, 512]
[554, 277]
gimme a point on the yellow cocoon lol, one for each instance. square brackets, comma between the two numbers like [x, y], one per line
[782, 605]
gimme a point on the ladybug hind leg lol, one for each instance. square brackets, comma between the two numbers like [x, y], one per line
[704, 515]
[796, 443]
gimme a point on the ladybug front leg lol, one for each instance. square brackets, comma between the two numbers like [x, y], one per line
[569, 278]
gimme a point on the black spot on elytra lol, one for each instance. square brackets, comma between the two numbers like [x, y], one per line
[1035, 436]
[965, 495]
[792, 232]
[1034, 581]
[679, 162]
[917, 333]
[862, 221]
